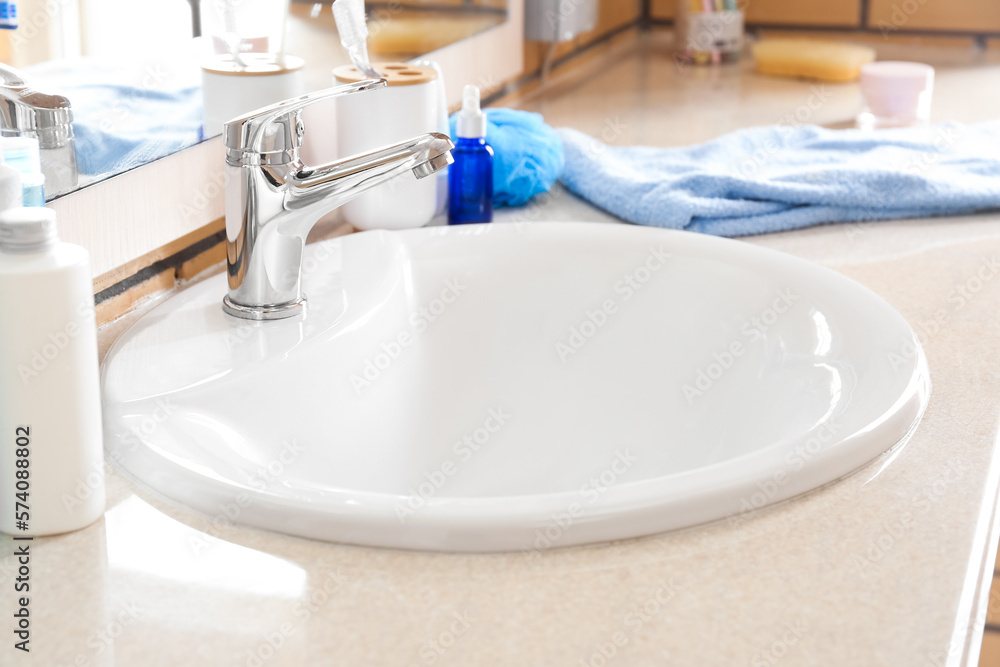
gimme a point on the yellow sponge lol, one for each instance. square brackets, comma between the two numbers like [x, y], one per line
[812, 59]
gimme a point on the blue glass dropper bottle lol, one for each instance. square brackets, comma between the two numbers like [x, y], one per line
[470, 178]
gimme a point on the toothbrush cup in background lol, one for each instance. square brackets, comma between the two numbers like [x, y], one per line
[244, 64]
[408, 107]
[708, 31]
[231, 90]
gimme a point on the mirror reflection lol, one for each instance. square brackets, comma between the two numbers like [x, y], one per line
[98, 87]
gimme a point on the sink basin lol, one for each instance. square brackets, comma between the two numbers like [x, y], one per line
[514, 387]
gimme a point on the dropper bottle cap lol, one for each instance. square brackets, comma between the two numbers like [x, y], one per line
[471, 122]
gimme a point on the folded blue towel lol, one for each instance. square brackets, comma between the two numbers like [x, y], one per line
[776, 178]
[528, 155]
[120, 127]
[126, 114]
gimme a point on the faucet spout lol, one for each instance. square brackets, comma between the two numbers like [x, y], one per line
[326, 187]
[273, 199]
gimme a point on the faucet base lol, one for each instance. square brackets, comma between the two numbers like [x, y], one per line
[279, 311]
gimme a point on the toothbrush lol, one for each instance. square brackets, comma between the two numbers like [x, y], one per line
[231, 37]
[350, 18]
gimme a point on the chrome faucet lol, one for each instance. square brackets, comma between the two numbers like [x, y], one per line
[273, 199]
[25, 111]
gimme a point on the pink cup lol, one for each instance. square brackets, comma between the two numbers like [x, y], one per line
[897, 94]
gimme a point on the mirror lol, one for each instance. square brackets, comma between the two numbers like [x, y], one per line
[132, 71]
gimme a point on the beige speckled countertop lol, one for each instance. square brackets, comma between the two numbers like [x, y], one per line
[882, 568]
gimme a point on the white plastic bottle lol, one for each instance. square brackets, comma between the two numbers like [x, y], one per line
[51, 450]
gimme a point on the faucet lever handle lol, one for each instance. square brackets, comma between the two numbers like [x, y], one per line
[245, 134]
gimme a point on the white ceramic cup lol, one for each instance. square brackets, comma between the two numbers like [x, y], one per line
[379, 118]
[230, 91]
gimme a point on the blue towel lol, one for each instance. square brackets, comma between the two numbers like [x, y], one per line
[528, 155]
[777, 178]
[126, 114]
[120, 127]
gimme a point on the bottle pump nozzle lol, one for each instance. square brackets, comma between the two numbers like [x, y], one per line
[471, 119]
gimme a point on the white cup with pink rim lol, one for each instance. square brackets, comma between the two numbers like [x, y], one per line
[896, 94]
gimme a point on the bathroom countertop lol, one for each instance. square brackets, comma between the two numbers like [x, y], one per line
[888, 566]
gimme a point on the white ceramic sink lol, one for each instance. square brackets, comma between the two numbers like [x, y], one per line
[515, 387]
